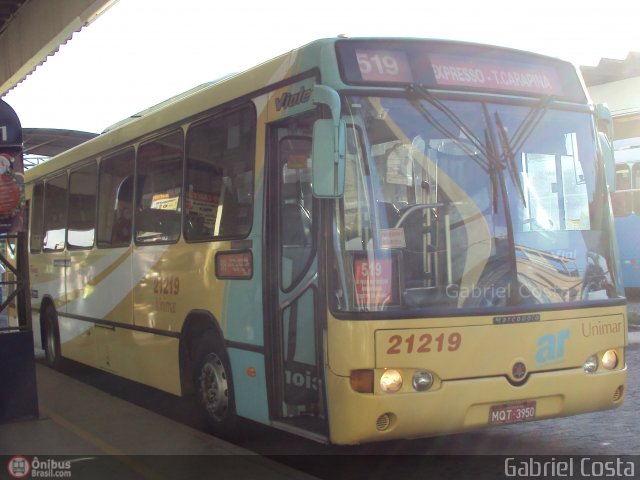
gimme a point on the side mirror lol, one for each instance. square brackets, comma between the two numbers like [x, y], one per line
[328, 147]
[328, 162]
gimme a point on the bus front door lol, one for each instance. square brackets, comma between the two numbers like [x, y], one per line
[297, 399]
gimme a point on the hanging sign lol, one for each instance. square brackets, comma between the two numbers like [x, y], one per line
[12, 199]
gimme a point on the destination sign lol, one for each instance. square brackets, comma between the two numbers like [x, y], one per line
[384, 65]
[449, 65]
[463, 72]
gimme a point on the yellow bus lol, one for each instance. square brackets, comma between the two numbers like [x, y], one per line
[359, 240]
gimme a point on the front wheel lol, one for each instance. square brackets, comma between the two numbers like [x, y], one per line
[214, 387]
[51, 338]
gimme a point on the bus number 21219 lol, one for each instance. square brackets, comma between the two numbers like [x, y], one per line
[425, 343]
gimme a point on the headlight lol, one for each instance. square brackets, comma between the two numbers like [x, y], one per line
[422, 381]
[391, 381]
[610, 359]
[591, 365]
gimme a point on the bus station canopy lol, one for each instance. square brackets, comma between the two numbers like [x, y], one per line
[31, 30]
[40, 144]
[612, 70]
[48, 142]
[617, 83]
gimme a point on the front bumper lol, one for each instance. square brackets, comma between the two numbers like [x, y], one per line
[463, 404]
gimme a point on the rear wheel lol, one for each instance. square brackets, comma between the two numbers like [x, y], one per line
[214, 386]
[52, 338]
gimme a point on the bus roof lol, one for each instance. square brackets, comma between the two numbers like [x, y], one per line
[185, 105]
[319, 55]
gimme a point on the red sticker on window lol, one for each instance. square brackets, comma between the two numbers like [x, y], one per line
[374, 282]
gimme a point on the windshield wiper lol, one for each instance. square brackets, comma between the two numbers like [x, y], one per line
[423, 93]
[529, 123]
[485, 156]
[509, 157]
[522, 133]
[496, 167]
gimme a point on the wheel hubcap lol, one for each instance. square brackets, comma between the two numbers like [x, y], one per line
[214, 390]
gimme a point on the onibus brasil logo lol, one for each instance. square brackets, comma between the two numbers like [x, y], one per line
[21, 467]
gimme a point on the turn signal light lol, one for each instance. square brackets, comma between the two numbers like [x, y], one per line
[362, 381]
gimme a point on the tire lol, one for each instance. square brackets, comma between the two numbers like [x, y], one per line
[52, 338]
[214, 385]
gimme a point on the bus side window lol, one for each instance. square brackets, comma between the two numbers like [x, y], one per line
[236, 205]
[55, 213]
[82, 211]
[159, 201]
[623, 177]
[123, 212]
[636, 188]
[219, 176]
[115, 199]
[37, 218]
[622, 197]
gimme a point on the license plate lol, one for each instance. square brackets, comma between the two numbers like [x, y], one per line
[512, 412]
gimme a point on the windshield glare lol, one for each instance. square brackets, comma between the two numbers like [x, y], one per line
[465, 204]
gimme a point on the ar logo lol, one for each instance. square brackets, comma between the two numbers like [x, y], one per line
[551, 347]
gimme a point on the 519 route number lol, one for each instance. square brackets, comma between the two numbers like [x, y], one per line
[425, 343]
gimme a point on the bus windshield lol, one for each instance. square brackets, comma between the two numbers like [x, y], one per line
[460, 204]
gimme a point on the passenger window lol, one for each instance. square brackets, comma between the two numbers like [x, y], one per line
[82, 211]
[219, 178]
[159, 198]
[55, 213]
[636, 188]
[37, 219]
[622, 203]
[115, 200]
[623, 177]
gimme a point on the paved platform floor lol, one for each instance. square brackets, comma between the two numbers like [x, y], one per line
[106, 437]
